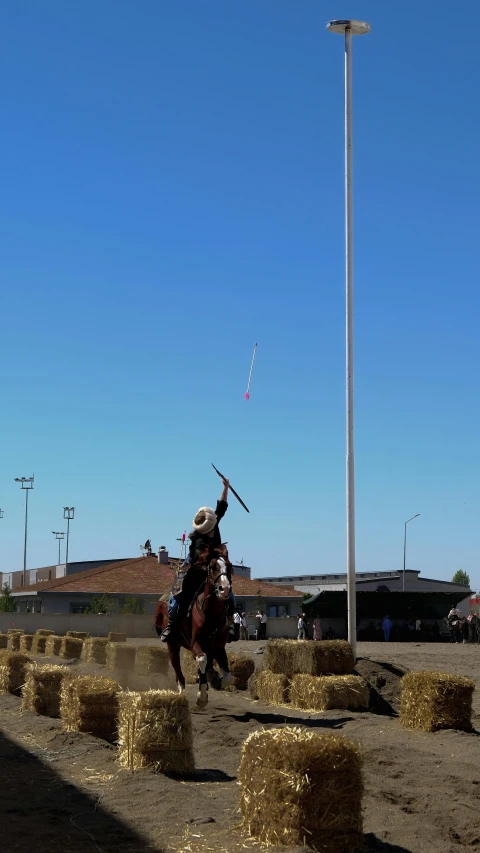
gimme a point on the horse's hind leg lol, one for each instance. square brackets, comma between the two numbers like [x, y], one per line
[174, 655]
[222, 660]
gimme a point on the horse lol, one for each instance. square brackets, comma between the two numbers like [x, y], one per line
[458, 628]
[203, 630]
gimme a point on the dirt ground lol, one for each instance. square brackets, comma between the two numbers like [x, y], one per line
[64, 793]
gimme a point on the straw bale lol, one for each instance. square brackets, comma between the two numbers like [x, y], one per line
[436, 700]
[26, 641]
[252, 683]
[78, 635]
[151, 660]
[14, 641]
[15, 631]
[71, 648]
[272, 688]
[89, 703]
[41, 691]
[310, 657]
[116, 637]
[39, 643]
[241, 667]
[155, 729]
[52, 646]
[326, 692]
[300, 788]
[189, 666]
[12, 671]
[95, 650]
[3, 641]
[120, 656]
[44, 632]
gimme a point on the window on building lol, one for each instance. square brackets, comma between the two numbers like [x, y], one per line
[79, 606]
[275, 610]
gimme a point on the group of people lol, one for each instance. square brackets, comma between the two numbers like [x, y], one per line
[240, 628]
[303, 629]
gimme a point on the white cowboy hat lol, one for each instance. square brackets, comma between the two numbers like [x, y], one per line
[205, 520]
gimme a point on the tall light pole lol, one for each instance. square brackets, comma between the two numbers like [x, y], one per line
[58, 536]
[348, 29]
[405, 548]
[27, 484]
[68, 514]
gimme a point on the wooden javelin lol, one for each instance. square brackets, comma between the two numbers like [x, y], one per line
[231, 489]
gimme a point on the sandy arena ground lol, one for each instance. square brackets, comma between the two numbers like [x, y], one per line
[64, 793]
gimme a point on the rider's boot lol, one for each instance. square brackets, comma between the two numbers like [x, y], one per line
[168, 631]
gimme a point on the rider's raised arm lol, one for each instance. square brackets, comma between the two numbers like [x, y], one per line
[226, 486]
[222, 504]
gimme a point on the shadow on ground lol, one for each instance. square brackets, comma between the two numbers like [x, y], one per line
[375, 845]
[43, 812]
[267, 719]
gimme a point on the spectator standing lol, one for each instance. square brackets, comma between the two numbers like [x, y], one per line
[317, 628]
[237, 621]
[387, 627]
[301, 627]
[262, 625]
[243, 627]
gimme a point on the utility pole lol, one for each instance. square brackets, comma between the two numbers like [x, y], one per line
[58, 536]
[26, 485]
[68, 514]
[348, 29]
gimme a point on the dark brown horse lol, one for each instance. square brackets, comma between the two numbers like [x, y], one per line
[203, 630]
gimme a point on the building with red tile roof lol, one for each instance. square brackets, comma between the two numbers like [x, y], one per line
[145, 579]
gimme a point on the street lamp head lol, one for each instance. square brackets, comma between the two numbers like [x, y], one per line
[355, 28]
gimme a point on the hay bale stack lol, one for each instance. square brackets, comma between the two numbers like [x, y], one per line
[15, 631]
[3, 641]
[78, 635]
[189, 666]
[155, 729]
[241, 667]
[150, 660]
[120, 656]
[52, 646]
[89, 703]
[12, 671]
[252, 683]
[14, 640]
[95, 650]
[26, 641]
[272, 688]
[71, 648]
[41, 691]
[301, 789]
[39, 643]
[327, 692]
[116, 637]
[319, 657]
[436, 700]
[44, 632]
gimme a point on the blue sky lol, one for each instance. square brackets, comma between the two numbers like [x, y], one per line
[172, 191]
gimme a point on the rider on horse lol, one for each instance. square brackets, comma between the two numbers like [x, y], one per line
[205, 544]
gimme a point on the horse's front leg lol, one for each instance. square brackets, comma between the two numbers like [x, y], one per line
[201, 658]
[174, 655]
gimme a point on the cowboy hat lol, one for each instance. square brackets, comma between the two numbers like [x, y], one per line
[205, 520]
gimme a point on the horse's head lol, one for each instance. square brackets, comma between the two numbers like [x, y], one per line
[219, 572]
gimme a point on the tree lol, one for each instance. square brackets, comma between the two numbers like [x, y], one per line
[101, 604]
[7, 601]
[461, 577]
[132, 605]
